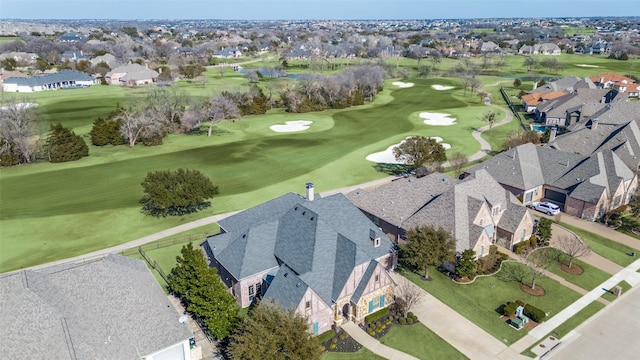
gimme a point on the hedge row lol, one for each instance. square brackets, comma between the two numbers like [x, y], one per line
[371, 318]
[530, 311]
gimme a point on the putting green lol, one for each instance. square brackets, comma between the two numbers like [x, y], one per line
[54, 211]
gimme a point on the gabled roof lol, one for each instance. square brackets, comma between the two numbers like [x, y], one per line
[108, 309]
[439, 201]
[133, 72]
[316, 243]
[582, 177]
[566, 84]
[611, 77]
[534, 99]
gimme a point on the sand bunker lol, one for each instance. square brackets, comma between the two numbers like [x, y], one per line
[437, 119]
[401, 84]
[291, 126]
[20, 106]
[442, 87]
[587, 65]
[387, 157]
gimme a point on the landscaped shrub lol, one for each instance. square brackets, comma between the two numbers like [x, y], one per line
[376, 315]
[493, 250]
[343, 335]
[326, 336]
[510, 309]
[332, 346]
[533, 241]
[402, 321]
[504, 256]
[410, 321]
[520, 247]
[534, 313]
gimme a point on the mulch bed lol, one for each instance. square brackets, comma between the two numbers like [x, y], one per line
[538, 291]
[342, 344]
[573, 270]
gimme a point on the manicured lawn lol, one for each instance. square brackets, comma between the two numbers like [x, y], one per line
[614, 251]
[73, 208]
[588, 280]
[480, 301]
[362, 354]
[571, 323]
[419, 341]
[609, 295]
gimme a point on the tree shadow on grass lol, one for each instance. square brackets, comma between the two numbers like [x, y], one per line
[392, 169]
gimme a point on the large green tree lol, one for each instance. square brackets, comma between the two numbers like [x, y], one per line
[544, 230]
[64, 145]
[416, 151]
[179, 192]
[467, 266]
[428, 246]
[273, 333]
[205, 296]
[106, 132]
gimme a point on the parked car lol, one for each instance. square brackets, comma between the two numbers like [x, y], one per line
[546, 207]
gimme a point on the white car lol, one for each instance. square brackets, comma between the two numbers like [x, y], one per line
[546, 207]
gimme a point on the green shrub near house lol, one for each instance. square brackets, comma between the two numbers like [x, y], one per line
[371, 318]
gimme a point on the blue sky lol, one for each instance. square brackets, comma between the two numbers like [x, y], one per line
[311, 9]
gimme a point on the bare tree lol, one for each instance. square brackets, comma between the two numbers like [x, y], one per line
[132, 125]
[458, 161]
[407, 295]
[19, 129]
[573, 247]
[489, 117]
[219, 108]
[538, 263]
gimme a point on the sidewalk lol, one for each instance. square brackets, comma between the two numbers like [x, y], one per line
[597, 228]
[628, 274]
[374, 345]
[593, 259]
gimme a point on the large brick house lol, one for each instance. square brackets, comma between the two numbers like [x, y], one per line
[320, 256]
[477, 210]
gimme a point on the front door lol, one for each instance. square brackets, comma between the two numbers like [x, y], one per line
[346, 311]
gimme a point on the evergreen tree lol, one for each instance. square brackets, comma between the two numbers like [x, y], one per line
[544, 230]
[416, 151]
[428, 246]
[64, 145]
[272, 333]
[205, 296]
[467, 266]
[8, 154]
[106, 132]
[177, 192]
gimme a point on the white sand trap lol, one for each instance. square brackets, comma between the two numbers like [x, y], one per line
[20, 106]
[291, 126]
[437, 119]
[387, 157]
[587, 65]
[442, 87]
[401, 84]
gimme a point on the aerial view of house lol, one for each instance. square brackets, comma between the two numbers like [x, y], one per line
[59, 80]
[477, 209]
[131, 75]
[321, 256]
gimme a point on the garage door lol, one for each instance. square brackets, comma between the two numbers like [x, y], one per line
[555, 196]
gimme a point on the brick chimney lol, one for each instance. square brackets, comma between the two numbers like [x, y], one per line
[309, 187]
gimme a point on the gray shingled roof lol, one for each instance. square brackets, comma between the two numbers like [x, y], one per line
[439, 201]
[134, 72]
[108, 309]
[584, 178]
[320, 241]
[60, 76]
[567, 83]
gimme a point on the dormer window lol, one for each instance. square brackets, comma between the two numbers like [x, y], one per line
[374, 238]
[495, 210]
